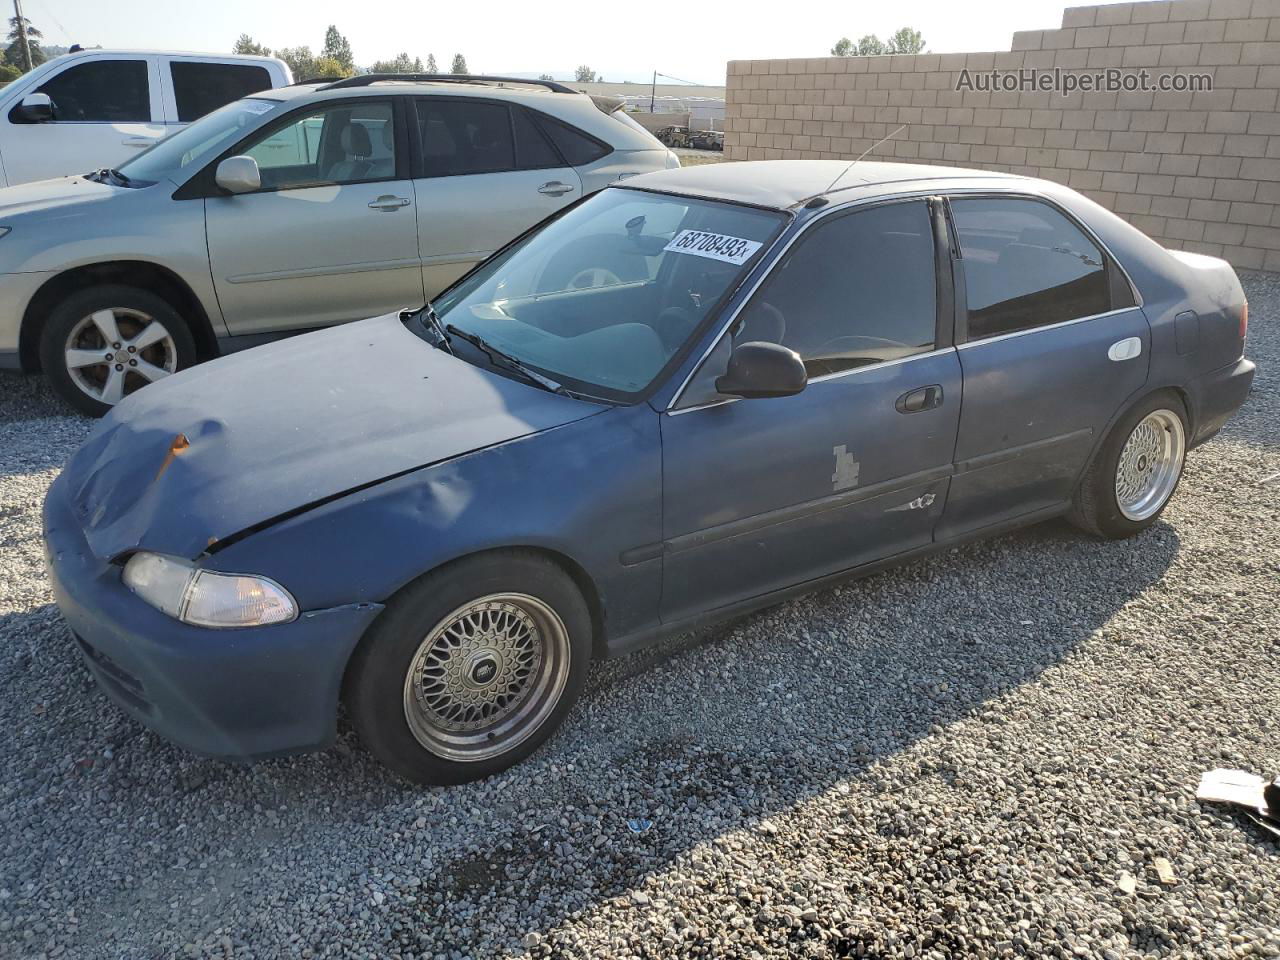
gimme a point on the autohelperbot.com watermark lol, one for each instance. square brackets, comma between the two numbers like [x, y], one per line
[1066, 82]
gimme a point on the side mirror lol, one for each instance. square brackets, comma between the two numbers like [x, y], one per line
[759, 369]
[34, 108]
[238, 175]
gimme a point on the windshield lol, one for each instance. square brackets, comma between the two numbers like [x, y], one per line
[198, 142]
[604, 297]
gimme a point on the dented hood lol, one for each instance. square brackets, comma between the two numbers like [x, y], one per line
[241, 441]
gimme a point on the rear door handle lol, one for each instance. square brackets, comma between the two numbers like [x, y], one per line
[138, 141]
[922, 398]
[388, 202]
[555, 188]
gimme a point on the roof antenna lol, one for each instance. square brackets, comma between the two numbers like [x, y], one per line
[840, 176]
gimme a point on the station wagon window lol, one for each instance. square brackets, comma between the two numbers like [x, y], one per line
[855, 290]
[353, 142]
[462, 137]
[200, 88]
[1025, 266]
[101, 91]
[533, 149]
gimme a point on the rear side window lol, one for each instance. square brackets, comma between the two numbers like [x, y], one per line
[101, 91]
[201, 88]
[1025, 266]
[533, 149]
[855, 290]
[464, 137]
[573, 144]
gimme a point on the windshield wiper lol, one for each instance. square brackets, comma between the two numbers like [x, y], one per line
[500, 359]
[427, 314]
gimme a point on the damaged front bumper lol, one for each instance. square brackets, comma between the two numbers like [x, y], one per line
[250, 692]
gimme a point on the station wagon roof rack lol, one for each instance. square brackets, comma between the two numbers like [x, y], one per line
[365, 79]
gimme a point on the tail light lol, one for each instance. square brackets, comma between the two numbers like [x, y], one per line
[1244, 320]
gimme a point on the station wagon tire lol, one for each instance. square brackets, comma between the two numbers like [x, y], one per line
[103, 343]
[1136, 471]
[470, 668]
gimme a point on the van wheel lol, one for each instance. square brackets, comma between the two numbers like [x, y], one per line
[101, 344]
[469, 669]
[1135, 472]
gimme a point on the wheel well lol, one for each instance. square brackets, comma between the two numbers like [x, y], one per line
[136, 273]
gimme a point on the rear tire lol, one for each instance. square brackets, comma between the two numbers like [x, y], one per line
[1135, 472]
[103, 343]
[470, 668]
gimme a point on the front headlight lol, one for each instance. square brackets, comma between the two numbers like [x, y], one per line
[207, 598]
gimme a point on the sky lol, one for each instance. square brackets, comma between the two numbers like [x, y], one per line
[692, 41]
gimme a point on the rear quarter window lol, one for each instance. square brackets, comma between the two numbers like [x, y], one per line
[200, 88]
[576, 147]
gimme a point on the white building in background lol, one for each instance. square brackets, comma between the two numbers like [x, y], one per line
[704, 105]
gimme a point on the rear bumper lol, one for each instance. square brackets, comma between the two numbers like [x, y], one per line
[253, 692]
[1217, 395]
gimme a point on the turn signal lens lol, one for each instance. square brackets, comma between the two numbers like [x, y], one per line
[207, 598]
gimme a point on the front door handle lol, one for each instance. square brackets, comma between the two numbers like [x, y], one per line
[923, 398]
[388, 202]
[555, 188]
[138, 142]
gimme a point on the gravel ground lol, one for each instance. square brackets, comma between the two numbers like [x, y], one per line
[980, 755]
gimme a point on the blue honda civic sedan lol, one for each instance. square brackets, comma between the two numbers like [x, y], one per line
[693, 394]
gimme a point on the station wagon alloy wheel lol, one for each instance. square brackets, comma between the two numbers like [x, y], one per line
[114, 351]
[486, 677]
[1150, 464]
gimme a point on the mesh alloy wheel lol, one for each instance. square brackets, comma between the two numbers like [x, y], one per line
[486, 677]
[1150, 464]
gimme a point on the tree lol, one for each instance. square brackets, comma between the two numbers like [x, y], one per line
[8, 73]
[906, 40]
[545, 76]
[459, 64]
[584, 74]
[329, 67]
[14, 55]
[300, 60]
[844, 48]
[246, 44]
[431, 63]
[871, 46]
[337, 48]
[402, 63]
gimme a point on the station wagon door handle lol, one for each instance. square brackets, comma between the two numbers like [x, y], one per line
[923, 398]
[1125, 349]
[555, 188]
[388, 202]
[138, 142]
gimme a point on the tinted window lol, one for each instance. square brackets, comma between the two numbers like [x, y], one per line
[347, 143]
[855, 290]
[464, 136]
[573, 144]
[201, 88]
[101, 91]
[1026, 265]
[533, 150]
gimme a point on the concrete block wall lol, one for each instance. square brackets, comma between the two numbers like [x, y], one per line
[1197, 171]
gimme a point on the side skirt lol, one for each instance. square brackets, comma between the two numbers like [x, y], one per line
[630, 643]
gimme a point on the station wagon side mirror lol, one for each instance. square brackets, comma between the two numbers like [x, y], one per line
[758, 369]
[34, 108]
[238, 175]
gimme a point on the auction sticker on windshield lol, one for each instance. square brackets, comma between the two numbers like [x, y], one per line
[715, 246]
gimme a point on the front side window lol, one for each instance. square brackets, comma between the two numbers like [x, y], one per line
[200, 88]
[352, 142]
[1026, 265]
[854, 290]
[101, 91]
[180, 153]
[602, 298]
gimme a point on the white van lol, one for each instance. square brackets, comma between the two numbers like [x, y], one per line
[97, 108]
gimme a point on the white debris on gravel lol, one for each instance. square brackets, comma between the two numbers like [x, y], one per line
[991, 753]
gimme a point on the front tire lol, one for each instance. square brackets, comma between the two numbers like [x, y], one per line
[1134, 474]
[470, 668]
[103, 343]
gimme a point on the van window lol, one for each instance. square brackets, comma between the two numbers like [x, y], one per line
[200, 88]
[101, 91]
